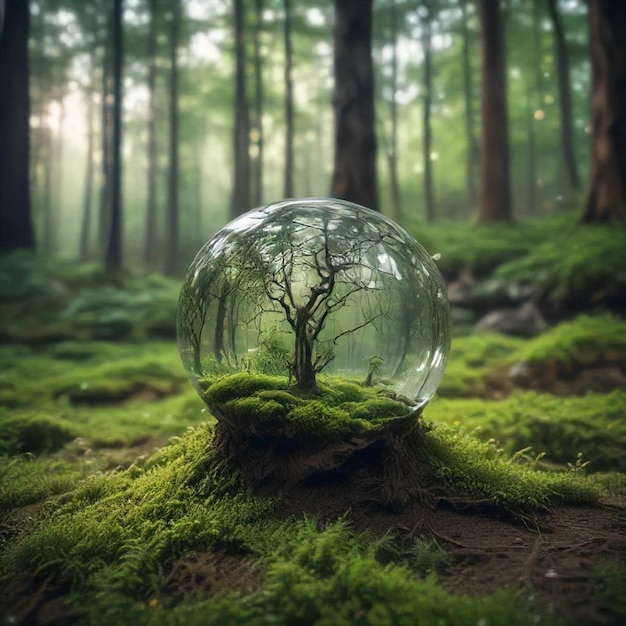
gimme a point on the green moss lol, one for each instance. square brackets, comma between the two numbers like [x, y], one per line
[26, 479]
[558, 427]
[242, 385]
[261, 404]
[375, 409]
[472, 358]
[582, 342]
[481, 471]
[584, 264]
[33, 433]
[116, 537]
[485, 247]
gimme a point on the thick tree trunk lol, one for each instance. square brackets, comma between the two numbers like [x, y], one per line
[149, 249]
[495, 183]
[606, 196]
[471, 149]
[429, 186]
[289, 116]
[304, 370]
[240, 198]
[354, 176]
[171, 239]
[258, 105]
[565, 99]
[16, 229]
[113, 257]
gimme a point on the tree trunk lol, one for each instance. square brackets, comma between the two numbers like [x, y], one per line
[57, 157]
[171, 235]
[429, 187]
[471, 150]
[113, 257]
[149, 249]
[104, 218]
[47, 199]
[495, 183]
[392, 152]
[565, 99]
[240, 198]
[354, 176]
[258, 105]
[606, 196]
[304, 370]
[288, 187]
[85, 227]
[16, 229]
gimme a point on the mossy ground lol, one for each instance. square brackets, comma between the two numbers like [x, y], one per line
[116, 509]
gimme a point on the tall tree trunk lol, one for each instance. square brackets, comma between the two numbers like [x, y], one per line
[565, 98]
[85, 226]
[392, 151]
[47, 199]
[16, 228]
[495, 182]
[288, 187]
[429, 187]
[531, 165]
[240, 198]
[354, 176]
[113, 256]
[149, 248]
[104, 218]
[258, 105]
[171, 241]
[606, 196]
[471, 149]
[57, 194]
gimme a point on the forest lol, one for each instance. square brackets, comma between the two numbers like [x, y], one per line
[313, 312]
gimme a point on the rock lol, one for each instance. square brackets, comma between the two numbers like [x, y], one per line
[524, 321]
[486, 295]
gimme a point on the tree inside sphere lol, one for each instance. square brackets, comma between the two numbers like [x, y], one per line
[311, 289]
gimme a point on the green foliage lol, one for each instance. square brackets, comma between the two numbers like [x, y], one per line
[584, 264]
[559, 427]
[273, 357]
[49, 299]
[114, 313]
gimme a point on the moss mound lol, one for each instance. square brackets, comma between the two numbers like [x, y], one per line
[116, 538]
[33, 433]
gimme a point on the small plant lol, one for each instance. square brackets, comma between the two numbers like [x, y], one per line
[579, 465]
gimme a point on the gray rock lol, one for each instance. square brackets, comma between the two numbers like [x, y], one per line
[524, 321]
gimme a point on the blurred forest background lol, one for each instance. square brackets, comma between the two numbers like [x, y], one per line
[152, 122]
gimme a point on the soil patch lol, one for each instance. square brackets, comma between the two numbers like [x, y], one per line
[551, 560]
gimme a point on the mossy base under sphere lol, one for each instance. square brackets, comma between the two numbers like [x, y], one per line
[312, 323]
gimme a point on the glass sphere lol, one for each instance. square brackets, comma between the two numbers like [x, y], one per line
[312, 289]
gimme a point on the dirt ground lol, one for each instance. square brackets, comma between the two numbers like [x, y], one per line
[551, 560]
